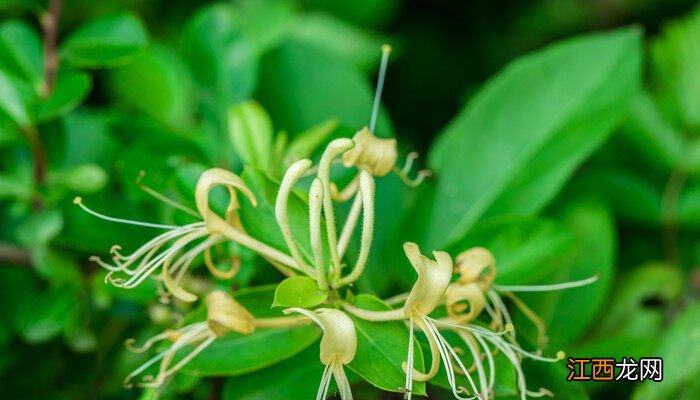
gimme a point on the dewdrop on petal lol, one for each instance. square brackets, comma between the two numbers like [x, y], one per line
[338, 347]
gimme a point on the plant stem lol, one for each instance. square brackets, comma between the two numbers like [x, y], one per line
[14, 256]
[49, 23]
[669, 214]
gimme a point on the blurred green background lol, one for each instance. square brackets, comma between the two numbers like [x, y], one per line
[146, 85]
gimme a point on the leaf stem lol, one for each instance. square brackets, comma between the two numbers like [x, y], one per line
[49, 24]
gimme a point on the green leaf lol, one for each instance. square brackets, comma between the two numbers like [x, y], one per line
[524, 133]
[673, 58]
[14, 99]
[250, 130]
[299, 291]
[381, 348]
[523, 246]
[105, 42]
[334, 36]
[301, 86]
[40, 228]
[72, 87]
[593, 231]
[237, 354]
[157, 82]
[681, 354]
[86, 178]
[43, 314]
[295, 377]
[648, 130]
[21, 52]
[56, 266]
[220, 58]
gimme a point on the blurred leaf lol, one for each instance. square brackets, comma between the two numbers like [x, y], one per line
[674, 56]
[13, 187]
[593, 253]
[345, 41]
[14, 100]
[301, 86]
[250, 130]
[86, 178]
[523, 246]
[105, 42]
[688, 209]
[72, 87]
[381, 348]
[284, 377]
[264, 22]
[582, 87]
[681, 357]
[22, 5]
[304, 144]
[157, 82]
[21, 52]
[40, 228]
[369, 13]
[56, 266]
[648, 131]
[299, 291]
[43, 314]
[87, 137]
[221, 59]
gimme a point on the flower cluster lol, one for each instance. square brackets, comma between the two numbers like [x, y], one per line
[472, 305]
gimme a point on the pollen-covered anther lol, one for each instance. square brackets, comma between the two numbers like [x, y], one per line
[376, 155]
[224, 315]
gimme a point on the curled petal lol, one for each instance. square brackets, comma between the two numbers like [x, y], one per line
[476, 265]
[464, 302]
[376, 155]
[339, 340]
[433, 279]
[220, 177]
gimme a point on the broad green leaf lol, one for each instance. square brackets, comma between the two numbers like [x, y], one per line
[593, 253]
[221, 59]
[522, 246]
[36, 6]
[21, 53]
[296, 377]
[334, 36]
[680, 351]
[56, 266]
[381, 348]
[237, 354]
[43, 314]
[250, 130]
[72, 87]
[105, 42]
[307, 142]
[40, 228]
[520, 138]
[299, 291]
[301, 86]
[264, 23]
[673, 58]
[14, 99]
[648, 130]
[157, 82]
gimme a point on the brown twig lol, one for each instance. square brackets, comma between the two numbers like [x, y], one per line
[15, 256]
[49, 23]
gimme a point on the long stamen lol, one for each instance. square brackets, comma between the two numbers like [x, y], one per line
[164, 199]
[341, 380]
[473, 328]
[79, 201]
[386, 50]
[498, 303]
[325, 383]
[315, 208]
[534, 318]
[478, 362]
[409, 362]
[367, 192]
[546, 288]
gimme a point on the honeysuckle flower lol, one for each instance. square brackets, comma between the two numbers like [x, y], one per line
[168, 256]
[224, 315]
[338, 347]
[321, 203]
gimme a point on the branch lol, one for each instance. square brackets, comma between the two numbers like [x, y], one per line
[49, 23]
[15, 256]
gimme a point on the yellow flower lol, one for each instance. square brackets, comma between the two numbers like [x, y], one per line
[338, 347]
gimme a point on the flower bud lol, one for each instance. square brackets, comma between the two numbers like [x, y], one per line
[224, 315]
[476, 265]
